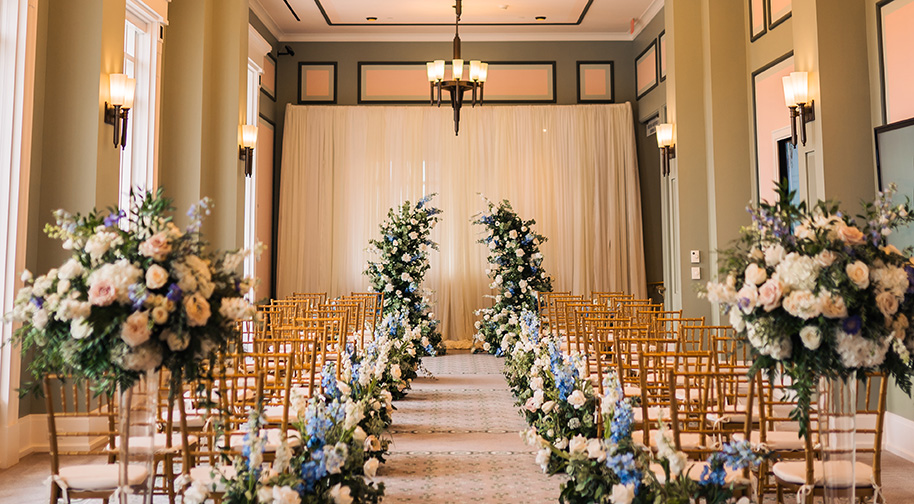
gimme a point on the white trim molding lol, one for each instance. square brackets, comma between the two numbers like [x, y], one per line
[898, 438]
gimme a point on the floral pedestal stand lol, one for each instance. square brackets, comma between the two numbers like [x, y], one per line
[837, 437]
[136, 449]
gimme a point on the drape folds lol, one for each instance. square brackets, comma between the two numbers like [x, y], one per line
[572, 168]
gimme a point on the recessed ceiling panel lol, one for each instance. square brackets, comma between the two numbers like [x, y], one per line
[339, 20]
[441, 12]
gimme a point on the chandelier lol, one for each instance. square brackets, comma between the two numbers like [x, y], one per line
[457, 86]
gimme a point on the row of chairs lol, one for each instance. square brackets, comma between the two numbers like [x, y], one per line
[278, 359]
[694, 377]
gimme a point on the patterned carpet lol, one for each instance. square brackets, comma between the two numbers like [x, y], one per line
[455, 439]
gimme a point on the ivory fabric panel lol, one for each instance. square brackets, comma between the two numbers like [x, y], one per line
[572, 168]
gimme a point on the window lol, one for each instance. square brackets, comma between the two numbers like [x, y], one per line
[250, 183]
[142, 48]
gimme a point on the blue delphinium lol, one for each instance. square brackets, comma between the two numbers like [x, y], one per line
[623, 465]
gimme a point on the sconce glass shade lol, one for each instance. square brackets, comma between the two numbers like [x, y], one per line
[129, 94]
[248, 136]
[117, 89]
[474, 70]
[439, 69]
[457, 68]
[800, 82]
[430, 69]
[789, 100]
[483, 71]
[664, 135]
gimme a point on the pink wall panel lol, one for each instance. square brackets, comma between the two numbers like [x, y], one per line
[264, 204]
[771, 115]
[898, 43]
[758, 15]
[780, 8]
[647, 71]
[391, 83]
[318, 83]
[268, 79]
[595, 81]
[507, 82]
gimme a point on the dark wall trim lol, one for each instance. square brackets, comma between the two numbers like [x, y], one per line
[881, 50]
[612, 81]
[752, 36]
[302, 64]
[653, 45]
[358, 86]
[773, 23]
[755, 74]
[330, 22]
[906, 123]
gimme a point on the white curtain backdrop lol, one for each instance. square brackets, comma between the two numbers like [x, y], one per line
[572, 168]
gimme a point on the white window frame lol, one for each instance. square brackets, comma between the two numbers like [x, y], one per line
[258, 47]
[18, 29]
[139, 160]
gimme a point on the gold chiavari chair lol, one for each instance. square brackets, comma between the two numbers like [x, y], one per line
[309, 299]
[601, 348]
[629, 340]
[544, 303]
[867, 479]
[694, 427]
[611, 299]
[374, 309]
[560, 317]
[71, 404]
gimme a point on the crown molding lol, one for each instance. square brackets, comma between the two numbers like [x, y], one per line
[647, 16]
[465, 37]
[267, 20]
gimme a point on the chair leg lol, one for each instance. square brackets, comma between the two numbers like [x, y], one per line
[55, 493]
[169, 475]
[780, 492]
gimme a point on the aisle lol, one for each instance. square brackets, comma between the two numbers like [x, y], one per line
[455, 439]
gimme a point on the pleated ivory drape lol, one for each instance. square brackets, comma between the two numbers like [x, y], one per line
[572, 168]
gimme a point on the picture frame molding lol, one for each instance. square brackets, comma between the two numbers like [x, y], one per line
[301, 67]
[612, 81]
[264, 90]
[752, 35]
[652, 45]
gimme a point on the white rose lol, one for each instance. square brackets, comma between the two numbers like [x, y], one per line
[622, 494]
[370, 467]
[135, 330]
[285, 495]
[802, 304]
[79, 328]
[341, 494]
[595, 450]
[395, 372]
[577, 445]
[577, 399]
[747, 297]
[774, 254]
[811, 336]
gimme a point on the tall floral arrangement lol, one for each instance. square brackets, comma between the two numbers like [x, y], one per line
[137, 293]
[402, 254]
[516, 270]
[818, 293]
[562, 409]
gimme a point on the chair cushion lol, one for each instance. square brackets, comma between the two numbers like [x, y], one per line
[91, 477]
[795, 473]
[273, 413]
[775, 440]
[211, 476]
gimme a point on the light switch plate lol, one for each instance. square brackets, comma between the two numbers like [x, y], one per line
[696, 273]
[695, 256]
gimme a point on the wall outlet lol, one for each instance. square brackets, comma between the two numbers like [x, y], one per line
[696, 273]
[695, 256]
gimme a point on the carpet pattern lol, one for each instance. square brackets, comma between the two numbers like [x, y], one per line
[455, 439]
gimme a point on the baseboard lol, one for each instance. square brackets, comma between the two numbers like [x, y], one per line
[33, 434]
[899, 436]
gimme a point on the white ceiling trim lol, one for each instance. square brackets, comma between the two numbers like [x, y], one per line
[268, 21]
[647, 16]
[465, 37]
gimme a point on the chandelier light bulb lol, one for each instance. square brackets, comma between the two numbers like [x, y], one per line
[457, 68]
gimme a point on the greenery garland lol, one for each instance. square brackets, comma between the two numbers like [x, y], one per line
[516, 270]
[403, 252]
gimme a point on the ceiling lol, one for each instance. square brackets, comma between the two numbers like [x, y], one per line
[433, 20]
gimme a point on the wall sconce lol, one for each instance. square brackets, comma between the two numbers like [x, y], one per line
[667, 148]
[246, 152]
[796, 96]
[121, 92]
